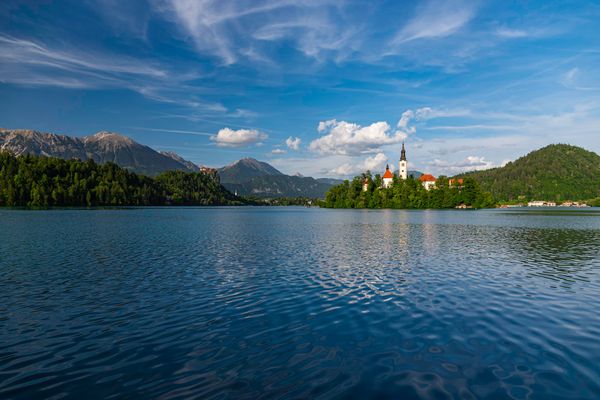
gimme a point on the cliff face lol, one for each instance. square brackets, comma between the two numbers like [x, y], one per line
[102, 147]
[20, 142]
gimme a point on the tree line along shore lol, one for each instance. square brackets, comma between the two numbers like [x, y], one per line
[30, 181]
[41, 182]
[407, 194]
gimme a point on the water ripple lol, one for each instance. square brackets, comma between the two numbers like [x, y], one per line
[265, 303]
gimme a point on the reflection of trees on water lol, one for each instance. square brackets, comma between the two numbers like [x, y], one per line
[561, 254]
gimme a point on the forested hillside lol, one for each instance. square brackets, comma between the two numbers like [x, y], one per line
[557, 172]
[31, 181]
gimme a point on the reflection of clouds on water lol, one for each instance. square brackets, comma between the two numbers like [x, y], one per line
[298, 303]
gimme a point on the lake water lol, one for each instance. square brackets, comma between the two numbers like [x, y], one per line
[299, 303]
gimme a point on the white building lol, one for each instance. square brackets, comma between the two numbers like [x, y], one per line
[403, 165]
[365, 185]
[428, 181]
[388, 178]
[541, 203]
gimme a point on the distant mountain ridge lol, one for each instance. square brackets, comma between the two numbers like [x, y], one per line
[556, 172]
[247, 176]
[250, 177]
[246, 169]
[102, 147]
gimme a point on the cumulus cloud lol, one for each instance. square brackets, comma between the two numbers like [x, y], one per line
[324, 125]
[374, 163]
[278, 151]
[471, 163]
[293, 142]
[345, 138]
[236, 138]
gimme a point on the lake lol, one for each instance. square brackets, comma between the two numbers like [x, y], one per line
[253, 303]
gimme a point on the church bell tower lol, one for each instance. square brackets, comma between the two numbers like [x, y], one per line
[403, 165]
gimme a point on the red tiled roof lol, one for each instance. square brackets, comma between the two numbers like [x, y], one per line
[388, 174]
[427, 178]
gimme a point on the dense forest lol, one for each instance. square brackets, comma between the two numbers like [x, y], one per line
[408, 193]
[557, 172]
[30, 181]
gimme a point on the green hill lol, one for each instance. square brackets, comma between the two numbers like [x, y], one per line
[30, 181]
[557, 172]
[250, 177]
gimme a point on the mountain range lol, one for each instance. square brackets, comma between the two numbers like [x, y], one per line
[557, 172]
[245, 177]
[102, 147]
[250, 177]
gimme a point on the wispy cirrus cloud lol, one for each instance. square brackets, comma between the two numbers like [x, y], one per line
[235, 31]
[511, 33]
[436, 19]
[32, 63]
[24, 52]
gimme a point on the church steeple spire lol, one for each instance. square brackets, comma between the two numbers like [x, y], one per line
[403, 164]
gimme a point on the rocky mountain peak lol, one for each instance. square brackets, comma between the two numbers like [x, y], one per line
[109, 136]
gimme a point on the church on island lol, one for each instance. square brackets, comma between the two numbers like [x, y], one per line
[427, 180]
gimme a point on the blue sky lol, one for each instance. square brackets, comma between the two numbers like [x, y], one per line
[324, 88]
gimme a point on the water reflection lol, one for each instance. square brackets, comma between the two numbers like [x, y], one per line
[558, 254]
[280, 303]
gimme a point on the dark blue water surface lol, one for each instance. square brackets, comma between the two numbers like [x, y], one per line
[268, 303]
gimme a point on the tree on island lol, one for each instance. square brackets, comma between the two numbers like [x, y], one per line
[406, 194]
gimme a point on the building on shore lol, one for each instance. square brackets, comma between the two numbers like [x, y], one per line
[573, 204]
[456, 183]
[211, 172]
[403, 165]
[365, 185]
[388, 178]
[428, 181]
[541, 203]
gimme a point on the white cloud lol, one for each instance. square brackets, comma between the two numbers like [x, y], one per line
[234, 30]
[278, 151]
[570, 76]
[404, 121]
[471, 163]
[324, 125]
[373, 164]
[28, 52]
[436, 19]
[236, 138]
[293, 142]
[33, 63]
[347, 138]
[511, 33]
